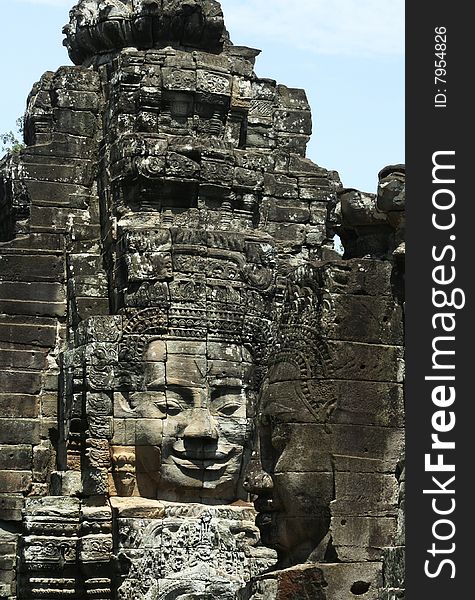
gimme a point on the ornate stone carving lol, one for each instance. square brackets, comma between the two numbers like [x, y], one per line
[178, 336]
[191, 550]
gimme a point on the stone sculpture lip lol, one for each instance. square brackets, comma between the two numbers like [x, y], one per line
[126, 475]
[264, 519]
[217, 462]
[266, 515]
[265, 523]
[265, 505]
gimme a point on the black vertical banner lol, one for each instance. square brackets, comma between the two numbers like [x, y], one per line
[440, 367]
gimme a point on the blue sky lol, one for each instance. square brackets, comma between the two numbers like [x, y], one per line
[347, 54]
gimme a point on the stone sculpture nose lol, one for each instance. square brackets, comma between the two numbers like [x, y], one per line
[202, 426]
[256, 479]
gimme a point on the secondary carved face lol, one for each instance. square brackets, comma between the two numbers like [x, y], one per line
[290, 471]
[123, 468]
[192, 425]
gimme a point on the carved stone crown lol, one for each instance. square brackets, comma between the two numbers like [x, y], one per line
[300, 339]
[101, 26]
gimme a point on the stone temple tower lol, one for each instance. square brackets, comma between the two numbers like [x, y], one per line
[178, 338]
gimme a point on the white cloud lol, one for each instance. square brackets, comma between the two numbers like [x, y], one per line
[337, 27]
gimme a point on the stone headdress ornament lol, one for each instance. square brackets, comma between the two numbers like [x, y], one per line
[301, 353]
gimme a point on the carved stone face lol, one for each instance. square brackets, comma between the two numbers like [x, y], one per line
[290, 471]
[192, 425]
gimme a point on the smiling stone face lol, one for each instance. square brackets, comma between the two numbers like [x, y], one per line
[191, 422]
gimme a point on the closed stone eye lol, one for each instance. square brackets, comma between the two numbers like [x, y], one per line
[228, 409]
[162, 406]
[173, 409]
